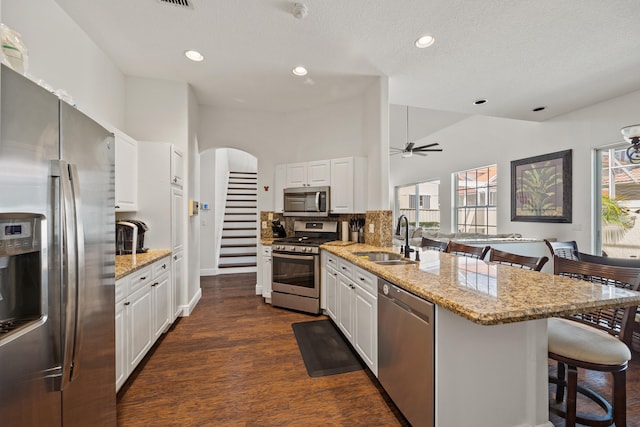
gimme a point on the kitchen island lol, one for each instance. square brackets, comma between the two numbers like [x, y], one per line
[491, 364]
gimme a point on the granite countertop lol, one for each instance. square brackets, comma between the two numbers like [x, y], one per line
[488, 293]
[125, 264]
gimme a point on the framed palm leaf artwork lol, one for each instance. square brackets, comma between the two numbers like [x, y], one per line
[541, 188]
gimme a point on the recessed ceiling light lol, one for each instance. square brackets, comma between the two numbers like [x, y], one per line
[479, 101]
[299, 71]
[194, 55]
[538, 109]
[425, 41]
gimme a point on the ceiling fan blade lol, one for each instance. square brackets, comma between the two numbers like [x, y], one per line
[420, 153]
[409, 146]
[426, 146]
[415, 150]
[399, 150]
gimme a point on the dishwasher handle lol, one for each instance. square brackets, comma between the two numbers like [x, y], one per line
[413, 304]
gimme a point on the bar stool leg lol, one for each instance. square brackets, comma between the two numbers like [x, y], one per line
[620, 398]
[572, 396]
[562, 382]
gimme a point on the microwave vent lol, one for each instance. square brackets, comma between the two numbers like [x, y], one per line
[186, 4]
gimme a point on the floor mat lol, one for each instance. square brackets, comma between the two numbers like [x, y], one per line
[323, 349]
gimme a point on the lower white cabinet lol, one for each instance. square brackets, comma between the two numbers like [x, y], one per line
[265, 272]
[177, 267]
[142, 314]
[351, 301]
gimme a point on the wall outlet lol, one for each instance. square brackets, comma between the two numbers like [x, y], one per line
[264, 224]
[371, 228]
[270, 217]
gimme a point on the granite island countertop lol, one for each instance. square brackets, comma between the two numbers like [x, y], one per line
[125, 264]
[489, 293]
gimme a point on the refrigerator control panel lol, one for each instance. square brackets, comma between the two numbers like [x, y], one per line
[19, 232]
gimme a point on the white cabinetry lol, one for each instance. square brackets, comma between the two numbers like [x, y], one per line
[126, 172]
[278, 187]
[162, 206]
[329, 286]
[349, 185]
[351, 300]
[177, 166]
[309, 174]
[121, 332]
[265, 271]
[141, 315]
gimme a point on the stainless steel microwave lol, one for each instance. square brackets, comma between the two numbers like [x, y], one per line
[306, 201]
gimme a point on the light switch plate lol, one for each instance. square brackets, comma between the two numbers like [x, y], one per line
[371, 228]
[264, 224]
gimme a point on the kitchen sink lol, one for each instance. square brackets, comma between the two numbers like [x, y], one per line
[394, 262]
[379, 256]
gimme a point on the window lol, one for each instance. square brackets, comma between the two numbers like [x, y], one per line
[420, 201]
[475, 201]
[617, 203]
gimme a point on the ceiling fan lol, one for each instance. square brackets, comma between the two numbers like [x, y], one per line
[410, 149]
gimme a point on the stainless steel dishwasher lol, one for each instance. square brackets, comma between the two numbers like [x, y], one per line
[406, 352]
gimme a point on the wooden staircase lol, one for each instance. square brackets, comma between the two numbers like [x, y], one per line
[239, 232]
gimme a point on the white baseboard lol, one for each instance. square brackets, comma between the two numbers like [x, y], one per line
[187, 309]
[219, 271]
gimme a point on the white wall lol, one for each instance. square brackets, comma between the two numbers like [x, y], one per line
[352, 127]
[214, 174]
[193, 233]
[158, 110]
[62, 55]
[479, 141]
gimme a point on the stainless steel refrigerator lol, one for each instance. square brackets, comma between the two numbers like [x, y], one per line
[57, 261]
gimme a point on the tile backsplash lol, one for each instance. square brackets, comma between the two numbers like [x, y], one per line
[381, 220]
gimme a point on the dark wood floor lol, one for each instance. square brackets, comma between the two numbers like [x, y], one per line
[235, 362]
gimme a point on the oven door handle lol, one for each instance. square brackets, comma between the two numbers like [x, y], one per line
[298, 257]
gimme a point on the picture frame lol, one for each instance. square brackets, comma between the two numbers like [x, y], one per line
[541, 188]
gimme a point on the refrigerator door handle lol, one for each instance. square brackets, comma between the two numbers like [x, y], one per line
[69, 271]
[80, 273]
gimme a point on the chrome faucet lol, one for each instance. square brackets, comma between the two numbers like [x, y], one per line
[407, 249]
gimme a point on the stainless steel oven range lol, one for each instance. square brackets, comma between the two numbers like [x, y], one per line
[296, 265]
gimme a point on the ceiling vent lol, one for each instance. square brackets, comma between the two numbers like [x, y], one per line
[186, 4]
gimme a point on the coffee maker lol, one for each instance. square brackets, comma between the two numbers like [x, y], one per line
[130, 234]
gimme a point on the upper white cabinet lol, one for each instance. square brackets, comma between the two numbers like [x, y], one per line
[126, 164]
[309, 174]
[177, 166]
[349, 185]
[279, 185]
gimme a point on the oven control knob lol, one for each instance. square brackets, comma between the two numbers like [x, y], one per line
[292, 249]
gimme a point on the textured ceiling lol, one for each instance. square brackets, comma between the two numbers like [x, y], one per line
[519, 55]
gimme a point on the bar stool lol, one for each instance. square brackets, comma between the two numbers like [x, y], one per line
[594, 341]
[466, 250]
[515, 260]
[434, 245]
[563, 249]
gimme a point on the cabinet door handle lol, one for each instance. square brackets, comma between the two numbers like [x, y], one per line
[175, 257]
[155, 284]
[164, 266]
[117, 207]
[143, 278]
[127, 303]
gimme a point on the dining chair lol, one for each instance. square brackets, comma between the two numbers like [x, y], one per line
[578, 341]
[466, 250]
[563, 249]
[434, 245]
[515, 260]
